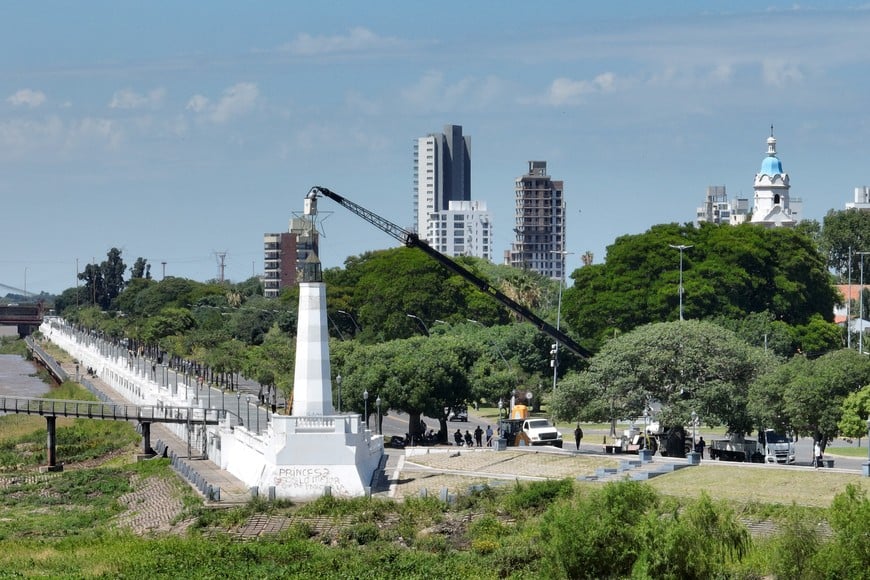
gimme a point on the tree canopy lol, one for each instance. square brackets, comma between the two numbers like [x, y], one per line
[685, 366]
[728, 271]
[806, 395]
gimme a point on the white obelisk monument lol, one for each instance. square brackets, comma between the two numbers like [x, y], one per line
[313, 451]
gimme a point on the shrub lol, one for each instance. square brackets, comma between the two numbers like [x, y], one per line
[596, 536]
[361, 533]
[793, 548]
[537, 495]
[848, 554]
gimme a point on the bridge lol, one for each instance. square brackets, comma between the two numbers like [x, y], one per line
[25, 316]
[51, 409]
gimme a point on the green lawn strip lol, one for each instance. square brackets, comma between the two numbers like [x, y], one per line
[759, 484]
[846, 451]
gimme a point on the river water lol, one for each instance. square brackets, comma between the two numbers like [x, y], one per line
[18, 378]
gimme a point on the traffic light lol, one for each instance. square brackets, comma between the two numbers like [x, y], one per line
[554, 353]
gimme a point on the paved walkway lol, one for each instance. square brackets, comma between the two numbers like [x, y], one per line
[233, 490]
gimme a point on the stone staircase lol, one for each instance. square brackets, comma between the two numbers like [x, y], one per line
[634, 469]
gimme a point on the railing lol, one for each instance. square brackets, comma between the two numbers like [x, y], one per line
[110, 411]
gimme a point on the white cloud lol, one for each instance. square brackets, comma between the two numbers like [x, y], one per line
[236, 100]
[432, 92]
[565, 91]
[26, 97]
[129, 99]
[357, 40]
[197, 103]
[779, 73]
[20, 137]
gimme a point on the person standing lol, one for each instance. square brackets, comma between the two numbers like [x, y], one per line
[578, 435]
[817, 454]
[699, 446]
[478, 436]
[489, 435]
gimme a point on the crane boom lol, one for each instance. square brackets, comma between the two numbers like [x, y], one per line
[412, 240]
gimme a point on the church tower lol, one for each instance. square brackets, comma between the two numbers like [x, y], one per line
[771, 187]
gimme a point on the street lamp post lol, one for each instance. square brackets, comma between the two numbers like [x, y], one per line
[420, 320]
[366, 406]
[378, 405]
[861, 305]
[239, 406]
[338, 382]
[555, 351]
[867, 465]
[500, 407]
[681, 248]
[694, 424]
[352, 319]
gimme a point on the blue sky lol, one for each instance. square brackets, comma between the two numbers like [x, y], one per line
[176, 131]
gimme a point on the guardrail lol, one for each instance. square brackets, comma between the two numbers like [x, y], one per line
[110, 411]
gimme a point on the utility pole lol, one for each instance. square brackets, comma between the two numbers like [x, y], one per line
[861, 305]
[849, 305]
[221, 265]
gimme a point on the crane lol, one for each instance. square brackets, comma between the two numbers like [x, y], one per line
[412, 240]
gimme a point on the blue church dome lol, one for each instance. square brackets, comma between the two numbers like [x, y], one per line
[771, 166]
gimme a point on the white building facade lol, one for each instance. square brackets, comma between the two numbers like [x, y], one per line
[718, 209]
[862, 199]
[464, 229]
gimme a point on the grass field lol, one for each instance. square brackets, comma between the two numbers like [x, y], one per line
[748, 484]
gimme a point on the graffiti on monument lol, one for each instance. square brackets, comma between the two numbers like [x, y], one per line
[312, 479]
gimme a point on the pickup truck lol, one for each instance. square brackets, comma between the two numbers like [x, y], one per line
[530, 431]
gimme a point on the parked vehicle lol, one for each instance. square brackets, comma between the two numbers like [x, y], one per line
[770, 447]
[460, 414]
[525, 430]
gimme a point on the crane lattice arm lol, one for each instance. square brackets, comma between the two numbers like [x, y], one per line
[412, 240]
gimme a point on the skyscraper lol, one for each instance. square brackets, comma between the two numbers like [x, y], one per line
[442, 173]
[540, 223]
[444, 215]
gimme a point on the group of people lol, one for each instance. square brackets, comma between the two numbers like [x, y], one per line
[470, 440]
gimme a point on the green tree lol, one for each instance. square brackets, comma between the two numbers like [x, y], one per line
[141, 269]
[418, 376]
[844, 233]
[728, 272]
[94, 284]
[112, 268]
[761, 329]
[686, 366]
[806, 396]
[856, 411]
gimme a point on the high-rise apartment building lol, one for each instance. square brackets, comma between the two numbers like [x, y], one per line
[442, 173]
[284, 255]
[444, 215]
[465, 229]
[540, 223]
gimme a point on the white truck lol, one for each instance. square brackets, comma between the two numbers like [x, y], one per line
[770, 447]
[526, 430]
